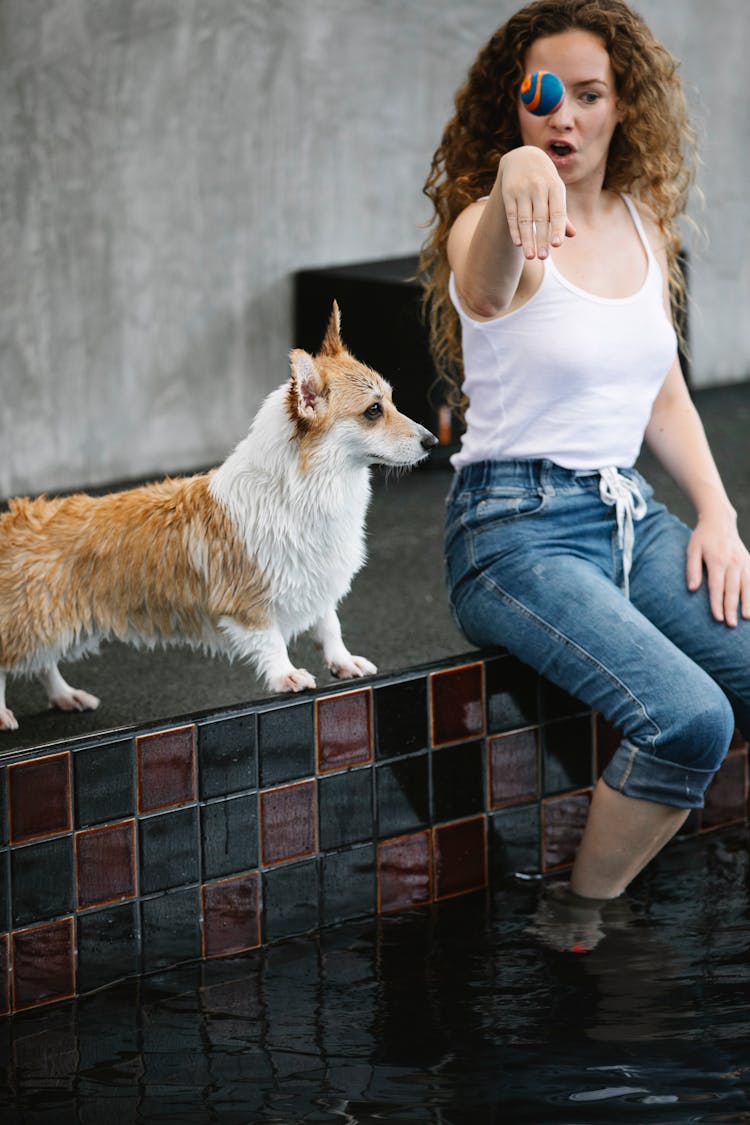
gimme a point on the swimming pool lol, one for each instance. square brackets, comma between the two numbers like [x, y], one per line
[453, 1014]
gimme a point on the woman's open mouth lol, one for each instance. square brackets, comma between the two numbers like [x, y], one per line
[560, 150]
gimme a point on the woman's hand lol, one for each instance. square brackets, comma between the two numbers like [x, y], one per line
[534, 200]
[716, 545]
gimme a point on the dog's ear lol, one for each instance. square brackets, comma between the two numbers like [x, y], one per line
[306, 388]
[332, 343]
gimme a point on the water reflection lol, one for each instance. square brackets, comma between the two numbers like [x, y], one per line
[452, 1016]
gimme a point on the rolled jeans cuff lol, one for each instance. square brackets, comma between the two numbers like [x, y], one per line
[636, 773]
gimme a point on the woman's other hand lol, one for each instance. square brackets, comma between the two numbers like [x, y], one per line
[534, 200]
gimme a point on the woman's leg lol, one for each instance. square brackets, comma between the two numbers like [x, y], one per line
[537, 583]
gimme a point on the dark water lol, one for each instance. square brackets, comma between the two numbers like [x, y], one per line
[454, 1016]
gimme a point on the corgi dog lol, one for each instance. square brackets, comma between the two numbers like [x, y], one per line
[238, 561]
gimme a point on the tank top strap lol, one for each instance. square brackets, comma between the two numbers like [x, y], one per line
[638, 224]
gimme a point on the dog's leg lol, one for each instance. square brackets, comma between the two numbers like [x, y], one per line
[336, 656]
[62, 695]
[266, 650]
[8, 720]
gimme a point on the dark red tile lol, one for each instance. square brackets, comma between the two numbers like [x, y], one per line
[4, 978]
[726, 796]
[40, 802]
[166, 768]
[43, 964]
[514, 768]
[457, 703]
[739, 740]
[105, 864]
[344, 730]
[404, 872]
[288, 822]
[460, 852]
[231, 916]
[563, 821]
[608, 738]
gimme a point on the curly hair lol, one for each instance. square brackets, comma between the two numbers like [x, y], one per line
[652, 155]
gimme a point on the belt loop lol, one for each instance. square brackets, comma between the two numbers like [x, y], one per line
[546, 487]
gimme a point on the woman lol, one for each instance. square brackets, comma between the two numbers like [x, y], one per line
[550, 275]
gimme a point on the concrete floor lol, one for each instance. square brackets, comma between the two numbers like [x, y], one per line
[396, 614]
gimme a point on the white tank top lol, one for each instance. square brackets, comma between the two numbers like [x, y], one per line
[568, 377]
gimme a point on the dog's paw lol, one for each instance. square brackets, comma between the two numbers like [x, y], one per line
[298, 679]
[8, 720]
[74, 700]
[351, 668]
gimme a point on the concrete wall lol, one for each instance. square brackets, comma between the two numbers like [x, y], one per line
[166, 165]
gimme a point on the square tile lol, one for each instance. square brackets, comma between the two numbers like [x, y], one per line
[166, 768]
[726, 796]
[512, 695]
[169, 850]
[460, 857]
[286, 744]
[404, 872]
[563, 822]
[229, 835]
[607, 739]
[231, 916]
[4, 975]
[401, 725]
[228, 756]
[291, 900]
[171, 930]
[39, 797]
[104, 783]
[515, 841]
[555, 703]
[288, 822]
[567, 755]
[344, 730]
[457, 703]
[349, 885]
[402, 795]
[458, 775]
[43, 964]
[105, 864]
[515, 765]
[108, 946]
[345, 808]
[42, 881]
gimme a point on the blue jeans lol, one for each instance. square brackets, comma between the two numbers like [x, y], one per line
[534, 565]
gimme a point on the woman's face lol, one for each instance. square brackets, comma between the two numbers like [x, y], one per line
[576, 136]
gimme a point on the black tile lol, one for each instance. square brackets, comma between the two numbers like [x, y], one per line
[42, 881]
[554, 703]
[403, 795]
[169, 850]
[286, 744]
[104, 783]
[4, 890]
[511, 689]
[227, 756]
[458, 779]
[349, 885]
[108, 943]
[345, 808]
[567, 755]
[401, 725]
[3, 807]
[515, 840]
[170, 927]
[229, 834]
[290, 900]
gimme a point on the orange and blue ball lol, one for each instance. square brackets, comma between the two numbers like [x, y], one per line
[542, 92]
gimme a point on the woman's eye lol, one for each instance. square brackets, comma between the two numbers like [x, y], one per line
[590, 98]
[374, 411]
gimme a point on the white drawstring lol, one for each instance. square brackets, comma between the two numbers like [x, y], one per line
[629, 505]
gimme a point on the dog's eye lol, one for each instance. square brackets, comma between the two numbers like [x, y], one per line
[374, 411]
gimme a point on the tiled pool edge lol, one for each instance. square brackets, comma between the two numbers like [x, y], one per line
[143, 849]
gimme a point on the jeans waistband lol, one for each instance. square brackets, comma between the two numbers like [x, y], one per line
[541, 475]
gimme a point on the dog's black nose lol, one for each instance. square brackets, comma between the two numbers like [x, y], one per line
[429, 441]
